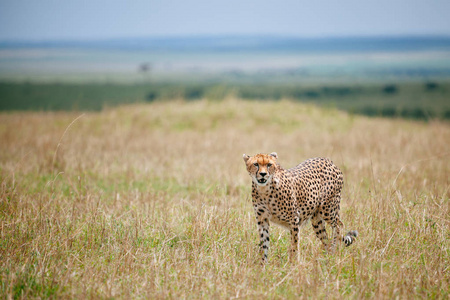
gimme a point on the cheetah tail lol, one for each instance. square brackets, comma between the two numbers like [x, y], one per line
[350, 237]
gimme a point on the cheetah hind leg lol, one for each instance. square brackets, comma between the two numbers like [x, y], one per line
[337, 225]
[318, 225]
[348, 239]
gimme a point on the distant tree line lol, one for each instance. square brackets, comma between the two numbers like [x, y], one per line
[412, 100]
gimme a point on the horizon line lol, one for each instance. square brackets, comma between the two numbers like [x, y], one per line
[219, 36]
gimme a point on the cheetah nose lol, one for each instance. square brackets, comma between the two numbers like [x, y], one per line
[262, 174]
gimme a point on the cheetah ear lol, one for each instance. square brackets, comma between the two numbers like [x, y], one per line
[274, 154]
[245, 157]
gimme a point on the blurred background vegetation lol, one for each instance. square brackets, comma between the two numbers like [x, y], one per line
[407, 77]
[416, 100]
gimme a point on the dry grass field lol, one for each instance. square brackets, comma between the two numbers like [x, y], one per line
[153, 201]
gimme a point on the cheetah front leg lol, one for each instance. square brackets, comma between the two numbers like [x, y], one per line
[262, 218]
[295, 225]
[318, 225]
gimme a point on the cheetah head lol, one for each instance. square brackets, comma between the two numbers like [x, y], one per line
[261, 167]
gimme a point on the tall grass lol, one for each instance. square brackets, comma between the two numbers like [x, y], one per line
[154, 201]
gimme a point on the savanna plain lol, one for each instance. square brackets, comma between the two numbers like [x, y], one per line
[153, 201]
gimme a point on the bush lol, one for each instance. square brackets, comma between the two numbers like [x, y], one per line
[151, 96]
[193, 93]
[430, 86]
[388, 111]
[390, 89]
[337, 91]
[368, 111]
[446, 115]
[415, 113]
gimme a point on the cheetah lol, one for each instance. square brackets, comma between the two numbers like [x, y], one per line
[311, 190]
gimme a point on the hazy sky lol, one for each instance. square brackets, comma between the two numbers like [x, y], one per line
[92, 19]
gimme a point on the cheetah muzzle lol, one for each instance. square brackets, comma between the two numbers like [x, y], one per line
[311, 190]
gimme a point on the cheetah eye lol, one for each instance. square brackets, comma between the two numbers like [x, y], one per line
[255, 164]
[269, 165]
